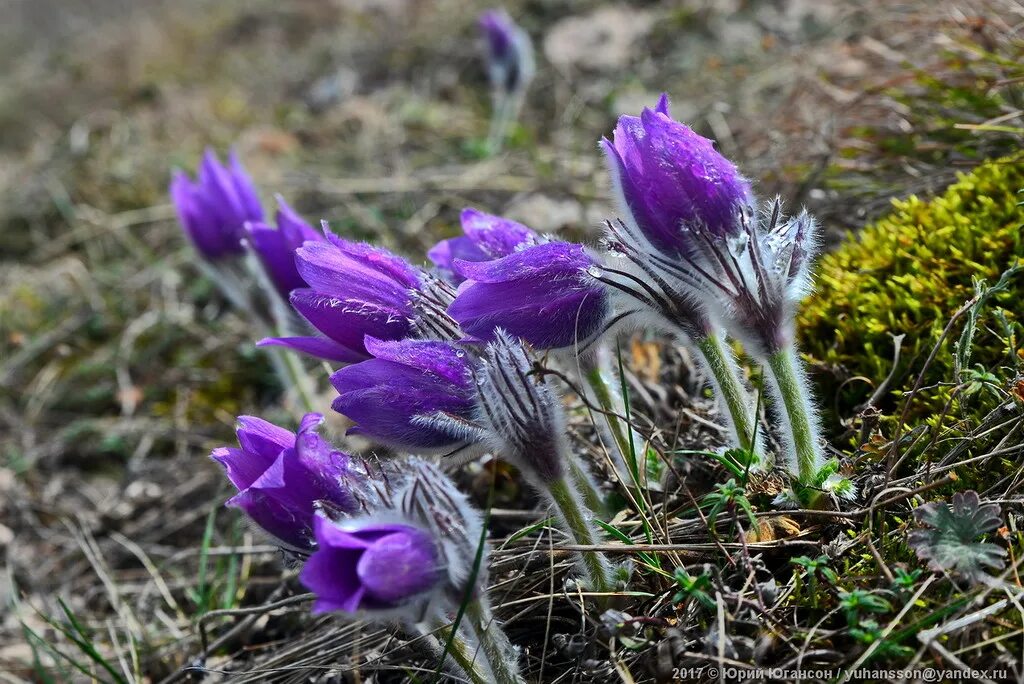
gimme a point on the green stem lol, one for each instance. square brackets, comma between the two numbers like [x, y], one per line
[595, 565]
[299, 380]
[461, 653]
[725, 373]
[500, 654]
[624, 444]
[791, 386]
[591, 496]
[506, 109]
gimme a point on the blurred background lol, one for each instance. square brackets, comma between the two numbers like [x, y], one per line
[121, 367]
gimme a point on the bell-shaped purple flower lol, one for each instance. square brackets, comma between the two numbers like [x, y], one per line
[276, 247]
[393, 397]
[667, 177]
[365, 566]
[417, 544]
[542, 294]
[485, 237]
[354, 290]
[509, 52]
[281, 475]
[214, 209]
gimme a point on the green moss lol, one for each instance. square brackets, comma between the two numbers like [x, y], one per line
[908, 273]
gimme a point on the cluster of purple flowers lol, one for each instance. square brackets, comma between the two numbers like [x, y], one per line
[440, 360]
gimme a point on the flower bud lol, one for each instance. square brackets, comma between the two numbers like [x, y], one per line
[485, 237]
[281, 475]
[667, 177]
[392, 396]
[542, 294]
[370, 566]
[214, 209]
[510, 64]
[354, 290]
[276, 247]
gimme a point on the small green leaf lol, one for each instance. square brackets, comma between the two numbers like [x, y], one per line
[949, 540]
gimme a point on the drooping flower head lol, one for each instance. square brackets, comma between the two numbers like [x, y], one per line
[485, 237]
[354, 290]
[281, 475]
[369, 566]
[753, 281]
[521, 418]
[509, 52]
[276, 247]
[214, 209]
[417, 546]
[392, 396]
[667, 177]
[542, 294]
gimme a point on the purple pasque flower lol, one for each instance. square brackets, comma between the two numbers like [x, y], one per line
[667, 177]
[394, 397]
[542, 294]
[276, 247]
[362, 566]
[354, 290]
[419, 543]
[509, 52]
[214, 209]
[485, 237]
[281, 476]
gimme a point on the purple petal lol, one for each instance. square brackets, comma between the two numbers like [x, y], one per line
[547, 317]
[671, 177]
[331, 572]
[348, 320]
[662, 106]
[221, 190]
[540, 294]
[245, 189]
[496, 236]
[384, 399]
[554, 260]
[399, 566]
[445, 252]
[201, 226]
[443, 359]
[242, 468]
[310, 423]
[296, 231]
[261, 438]
[377, 258]
[333, 271]
[499, 32]
[280, 522]
[318, 347]
[277, 257]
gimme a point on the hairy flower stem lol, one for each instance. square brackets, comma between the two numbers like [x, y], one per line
[615, 432]
[584, 483]
[500, 654]
[725, 374]
[577, 524]
[300, 382]
[791, 387]
[460, 651]
[506, 109]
